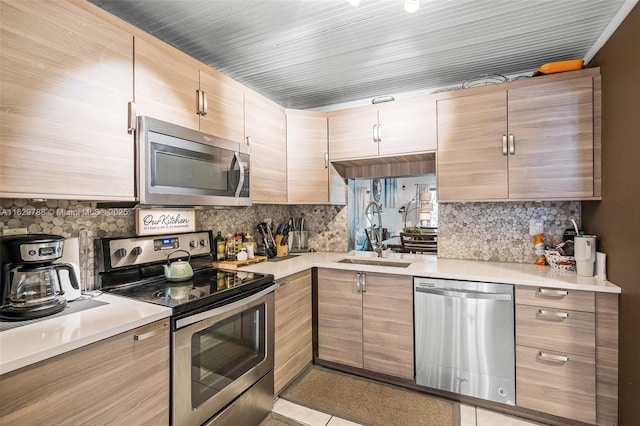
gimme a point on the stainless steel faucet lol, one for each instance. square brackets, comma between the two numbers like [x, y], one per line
[378, 246]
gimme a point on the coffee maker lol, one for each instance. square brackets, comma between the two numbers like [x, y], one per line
[30, 283]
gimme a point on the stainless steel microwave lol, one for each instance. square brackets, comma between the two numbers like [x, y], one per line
[177, 166]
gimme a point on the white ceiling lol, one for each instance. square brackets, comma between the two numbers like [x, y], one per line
[310, 54]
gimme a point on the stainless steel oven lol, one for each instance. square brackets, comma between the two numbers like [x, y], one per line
[220, 354]
[222, 325]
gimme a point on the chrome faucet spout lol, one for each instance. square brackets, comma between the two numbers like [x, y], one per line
[378, 244]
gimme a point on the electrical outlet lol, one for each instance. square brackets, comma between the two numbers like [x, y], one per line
[536, 226]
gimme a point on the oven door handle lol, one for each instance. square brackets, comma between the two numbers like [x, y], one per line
[192, 319]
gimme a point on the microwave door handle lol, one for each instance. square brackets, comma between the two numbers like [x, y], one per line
[236, 159]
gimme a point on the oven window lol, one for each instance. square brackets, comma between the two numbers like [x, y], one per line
[225, 351]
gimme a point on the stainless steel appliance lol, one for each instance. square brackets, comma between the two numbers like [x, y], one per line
[31, 284]
[180, 166]
[222, 325]
[464, 337]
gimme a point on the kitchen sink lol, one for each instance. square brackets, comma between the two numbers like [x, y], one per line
[376, 262]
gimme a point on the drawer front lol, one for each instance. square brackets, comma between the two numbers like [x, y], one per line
[575, 300]
[556, 329]
[562, 388]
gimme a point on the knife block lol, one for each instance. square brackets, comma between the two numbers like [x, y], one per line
[281, 250]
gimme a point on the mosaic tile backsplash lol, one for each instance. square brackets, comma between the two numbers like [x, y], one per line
[327, 225]
[500, 231]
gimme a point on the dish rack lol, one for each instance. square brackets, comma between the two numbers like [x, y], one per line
[557, 261]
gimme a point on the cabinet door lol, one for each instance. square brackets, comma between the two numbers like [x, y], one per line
[407, 126]
[265, 130]
[307, 164]
[552, 126]
[339, 318]
[293, 340]
[387, 308]
[66, 78]
[225, 106]
[121, 380]
[351, 133]
[166, 82]
[471, 164]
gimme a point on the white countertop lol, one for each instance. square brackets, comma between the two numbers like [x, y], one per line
[36, 342]
[28, 344]
[430, 266]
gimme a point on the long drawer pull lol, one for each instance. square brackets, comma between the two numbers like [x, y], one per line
[561, 358]
[553, 293]
[147, 335]
[555, 314]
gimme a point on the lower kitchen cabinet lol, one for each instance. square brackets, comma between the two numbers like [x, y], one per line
[365, 320]
[566, 353]
[120, 380]
[293, 338]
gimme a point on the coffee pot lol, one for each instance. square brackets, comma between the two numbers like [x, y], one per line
[31, 284]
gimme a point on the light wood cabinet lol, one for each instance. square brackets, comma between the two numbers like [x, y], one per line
[266, 134]
[120, 380]
[293, 340]
[310, 176]
[174, 87]
[566, 353]
[66, 78]
[365, 320]
[393, 128]
[525, 140]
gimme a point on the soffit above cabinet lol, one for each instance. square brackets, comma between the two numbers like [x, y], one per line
[312, 54]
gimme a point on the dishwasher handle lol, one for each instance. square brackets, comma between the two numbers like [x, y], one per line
[463, 294]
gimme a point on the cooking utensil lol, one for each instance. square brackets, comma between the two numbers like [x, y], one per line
[179, 270]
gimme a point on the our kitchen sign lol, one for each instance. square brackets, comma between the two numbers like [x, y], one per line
[155, 222]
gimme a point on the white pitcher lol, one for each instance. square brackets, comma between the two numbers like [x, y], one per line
[585, 253]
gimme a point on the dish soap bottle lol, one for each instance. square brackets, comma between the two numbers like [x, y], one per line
[220, 246]
[538, 249]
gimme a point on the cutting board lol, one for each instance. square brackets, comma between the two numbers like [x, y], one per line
[234, 264]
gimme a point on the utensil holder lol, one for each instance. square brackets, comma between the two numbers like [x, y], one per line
[299, 241]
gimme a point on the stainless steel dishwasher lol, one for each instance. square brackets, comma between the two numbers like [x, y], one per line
[464, 337]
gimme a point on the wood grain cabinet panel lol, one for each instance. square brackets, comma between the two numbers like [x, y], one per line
[66, 76]
[370, 328]
[225, 106]
[562, 388]
[523, 140]
[119, 380]
[293, 340]
[393, 128]
[266, 133]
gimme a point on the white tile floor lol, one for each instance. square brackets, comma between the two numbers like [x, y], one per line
[469, 416]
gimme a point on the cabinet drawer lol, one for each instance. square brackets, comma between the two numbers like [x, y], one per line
[563, 388]
[556, 329]
[556, 298]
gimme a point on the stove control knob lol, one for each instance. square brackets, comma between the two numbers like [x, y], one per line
[204, 243]
[120, 253]
[136, 251]
[193, 244]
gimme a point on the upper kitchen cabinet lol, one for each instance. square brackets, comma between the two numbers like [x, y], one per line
[311, 179]
[536, 139]
[266, 134]
[66, 78]
[393, 128]
[167, 83]
[172, 86]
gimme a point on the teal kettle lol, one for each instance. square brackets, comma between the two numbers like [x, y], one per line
[179, 270]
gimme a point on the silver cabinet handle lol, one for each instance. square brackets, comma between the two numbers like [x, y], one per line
[375, 136]
[504, 144]
[282, 284]
[148, 334]
[358, 282]
[131, 117]
[326, 160]
[552, 293]
[205, 103]
[554, 314]
[248, 138]
[199, 102]
[512, 144]
[364, 282]
[561, 358]
[379, 132]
